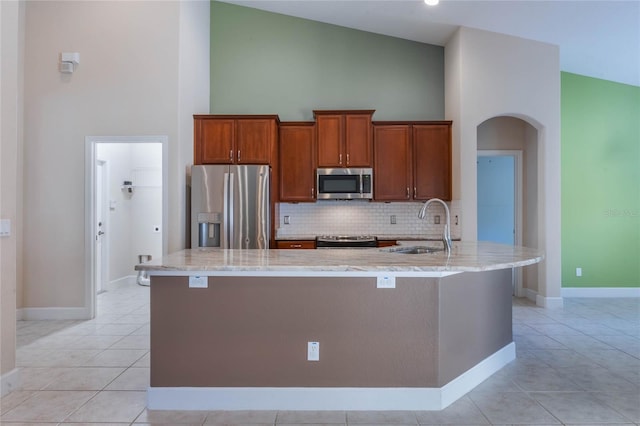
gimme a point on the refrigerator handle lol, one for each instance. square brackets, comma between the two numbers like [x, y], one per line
[229, 205]
[225, 212]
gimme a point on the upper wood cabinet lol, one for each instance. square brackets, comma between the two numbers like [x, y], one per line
[235, 139]
[393, 178]
[432, 161]
[297, 153]
[412, 160]
[344, 138]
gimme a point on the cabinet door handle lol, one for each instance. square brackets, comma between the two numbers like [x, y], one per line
[340, 160]
[347, 159]
[414, 192]
[238, 155]
[407, 192]
[296, 245]
[313, 191]
[231, 155]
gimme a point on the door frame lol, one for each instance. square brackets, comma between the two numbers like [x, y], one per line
[518, 189]
[90, 205]
[104, 256]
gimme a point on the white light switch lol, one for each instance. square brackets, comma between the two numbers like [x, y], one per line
[386, 281]
[198, 282]
[5, 227]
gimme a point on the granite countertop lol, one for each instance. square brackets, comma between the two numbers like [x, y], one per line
[465, 256]
[404, 237]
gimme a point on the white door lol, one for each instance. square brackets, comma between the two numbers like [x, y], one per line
[101, 192]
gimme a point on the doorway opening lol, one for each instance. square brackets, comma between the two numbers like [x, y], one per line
[125, 208]
[499, 192]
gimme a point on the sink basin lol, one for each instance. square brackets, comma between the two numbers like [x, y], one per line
[415, 250]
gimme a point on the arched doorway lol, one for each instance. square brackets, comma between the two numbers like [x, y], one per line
[502, 137]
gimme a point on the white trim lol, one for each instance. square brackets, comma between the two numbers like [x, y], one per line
[544, 302]
[189, 398]
[127, 279]
[39, 314]
[89, 206]
[10, 381]
[549, 302]
[531, 294]
[601, 292]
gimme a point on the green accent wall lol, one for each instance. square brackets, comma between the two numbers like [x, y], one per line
[600, 182]
[267, 63]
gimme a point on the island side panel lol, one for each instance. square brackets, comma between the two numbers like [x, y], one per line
[253, 332]
[475, 319]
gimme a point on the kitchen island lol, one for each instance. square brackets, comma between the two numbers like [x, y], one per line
[230, 329]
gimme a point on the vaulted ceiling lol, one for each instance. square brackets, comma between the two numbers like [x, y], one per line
[597, 38]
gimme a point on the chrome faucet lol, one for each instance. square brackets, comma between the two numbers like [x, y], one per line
[446, 234]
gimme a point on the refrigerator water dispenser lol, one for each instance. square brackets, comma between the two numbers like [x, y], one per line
[209, 229]
[209, 234]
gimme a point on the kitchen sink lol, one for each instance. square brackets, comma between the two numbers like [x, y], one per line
[415, 250]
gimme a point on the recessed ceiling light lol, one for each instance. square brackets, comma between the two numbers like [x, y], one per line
[432, 2]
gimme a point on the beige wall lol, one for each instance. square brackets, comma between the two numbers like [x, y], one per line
[490, 75]
[141, 72]
[11, 16]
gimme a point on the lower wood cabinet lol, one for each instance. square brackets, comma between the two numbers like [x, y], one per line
[296, 244]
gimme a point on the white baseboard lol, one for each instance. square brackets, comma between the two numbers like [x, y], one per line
[127, 279]
[9, 382]
[604, 292]
[549, 302]
[191, 398]
[38, 314]
[531, 294]
[544, 302]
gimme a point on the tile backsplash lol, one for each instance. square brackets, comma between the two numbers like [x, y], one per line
[365, 218]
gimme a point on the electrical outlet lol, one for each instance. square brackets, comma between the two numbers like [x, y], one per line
[386, 281]
[393, 219]
[436, 219]
[198, 282]
[578, 272]
[287, 220]
[313, 351]
[5, 228]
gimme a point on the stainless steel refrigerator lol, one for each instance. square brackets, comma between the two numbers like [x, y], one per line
[230, 206]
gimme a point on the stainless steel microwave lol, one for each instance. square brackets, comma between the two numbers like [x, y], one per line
[344, 184]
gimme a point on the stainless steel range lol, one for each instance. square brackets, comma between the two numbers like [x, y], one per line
[346, 241]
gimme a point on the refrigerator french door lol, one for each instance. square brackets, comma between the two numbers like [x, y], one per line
[230, 206]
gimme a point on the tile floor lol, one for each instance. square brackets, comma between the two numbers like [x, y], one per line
[576, 365]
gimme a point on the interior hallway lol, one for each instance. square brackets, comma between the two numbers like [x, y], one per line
[575, 365]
